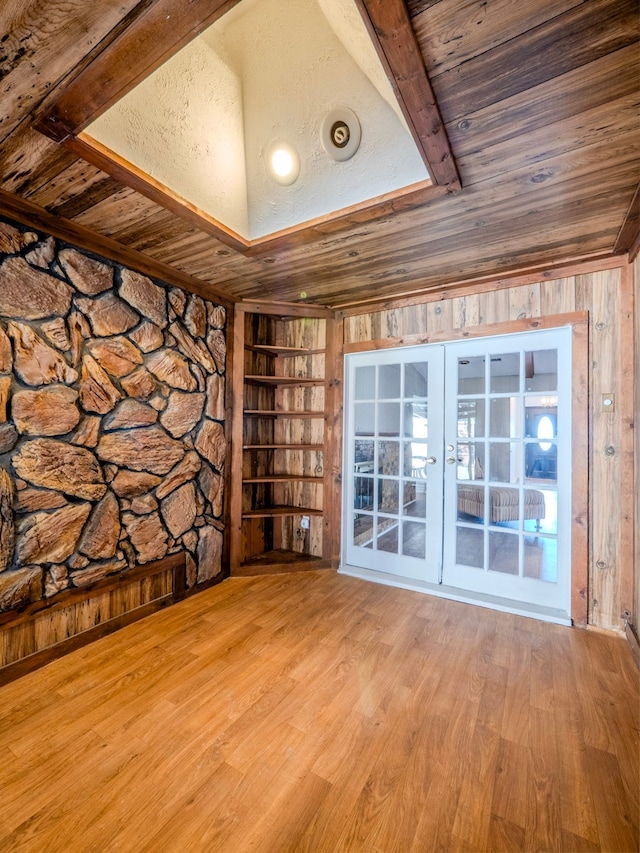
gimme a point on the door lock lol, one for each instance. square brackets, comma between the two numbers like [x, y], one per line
[450, 448]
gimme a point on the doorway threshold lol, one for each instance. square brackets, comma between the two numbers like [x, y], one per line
[493, 602]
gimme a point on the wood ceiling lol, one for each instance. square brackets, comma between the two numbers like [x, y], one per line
[539, 101]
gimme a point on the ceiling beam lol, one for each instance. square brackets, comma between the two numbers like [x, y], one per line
[393, 37]
[151, 34]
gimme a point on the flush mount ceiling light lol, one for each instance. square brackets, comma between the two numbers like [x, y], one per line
[283, 163]
[340, 133]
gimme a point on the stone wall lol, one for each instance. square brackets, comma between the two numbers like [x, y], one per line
[112, 442]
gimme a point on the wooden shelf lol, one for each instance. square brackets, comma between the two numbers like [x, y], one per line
[282, 380]
[283, 447]
[279, 511]
[284, 478]
[283, 352]
[280, 562]
[272, 413]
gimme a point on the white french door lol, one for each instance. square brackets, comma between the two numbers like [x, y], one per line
[457, 466]
[394, 463]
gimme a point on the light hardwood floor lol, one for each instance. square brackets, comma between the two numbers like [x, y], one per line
[314, 712]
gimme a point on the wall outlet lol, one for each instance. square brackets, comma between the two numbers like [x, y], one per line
[304, 522]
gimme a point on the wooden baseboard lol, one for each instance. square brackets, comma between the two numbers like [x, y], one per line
[634, 643]
[44, 656]
[49, 629]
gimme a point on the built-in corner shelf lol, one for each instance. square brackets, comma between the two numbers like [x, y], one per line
[268, 413]
[280, 473]
[274, 511]
[292, 381]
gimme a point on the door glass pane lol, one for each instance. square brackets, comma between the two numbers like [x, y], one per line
[504, 417]
[387, 536]
[504, 462]
[388, 495]
[389, 458]
[363, 530]
[541, 510]
[535, 408]
[389, 381]
[541, 461]
[363, 417]
[415, 380]
[471, 418]
[471, 504]
[470, 547]
[414, 539]
[471, 375]
[471, 461]
[541, 370]
[414, 503]
[541, 558]
[504, 506]
[503, 553]
[389, 419]
[363, 457]
[363, 492]
[415, 459]
[416, 421]
[505, 372]
[365, 383]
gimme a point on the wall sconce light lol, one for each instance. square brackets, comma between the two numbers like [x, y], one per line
[283, 163]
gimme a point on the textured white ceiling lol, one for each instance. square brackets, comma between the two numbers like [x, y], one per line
[268, 71]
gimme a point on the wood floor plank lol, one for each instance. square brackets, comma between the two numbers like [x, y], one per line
[316, 713]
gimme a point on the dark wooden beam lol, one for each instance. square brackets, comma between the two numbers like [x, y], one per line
[628, 239]
[153, 32]
[34, 216]
[393, 37]
[129, 175]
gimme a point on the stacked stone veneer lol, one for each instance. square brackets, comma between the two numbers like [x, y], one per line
[112, 444]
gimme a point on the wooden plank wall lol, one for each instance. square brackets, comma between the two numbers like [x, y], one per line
[607, 295]
[309, 332]
[48, 629]
[636, 480]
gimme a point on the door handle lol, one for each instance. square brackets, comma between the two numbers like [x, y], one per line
[451, 460]
[431, 460]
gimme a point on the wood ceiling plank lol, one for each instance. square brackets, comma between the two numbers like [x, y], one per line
[415, 7]
[42, 44]
[114, 213]
[103, 187]
[155, 229]
[454, 32]
[70, 184]
[570, 40]
[606, 79]
[393, 37]
[588, 143]
[29, 161]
